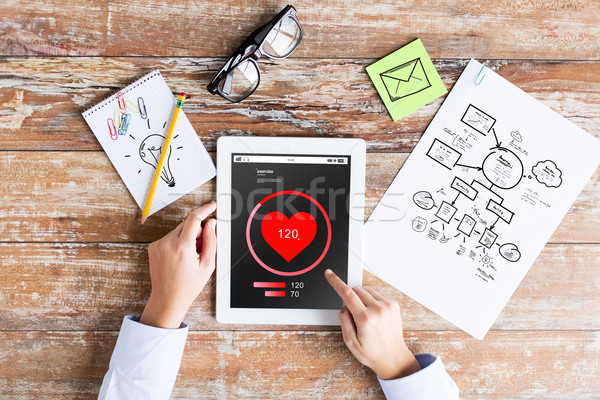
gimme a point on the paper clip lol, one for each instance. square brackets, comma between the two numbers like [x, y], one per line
[142, 108]
[477, 80]
[131, 106]
[124, 124]
[112, 130]
[121, 103]
[118, 116]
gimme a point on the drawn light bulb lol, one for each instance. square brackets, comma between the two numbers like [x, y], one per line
[150, 150]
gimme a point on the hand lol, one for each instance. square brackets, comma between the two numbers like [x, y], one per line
[372, 330]
[180, 265]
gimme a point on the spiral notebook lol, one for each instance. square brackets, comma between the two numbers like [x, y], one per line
[131, 126]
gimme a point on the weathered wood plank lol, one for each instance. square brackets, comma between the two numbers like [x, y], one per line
[41, 99]
[91, 286]
[307, 365]
[78, 196]
[524, 29]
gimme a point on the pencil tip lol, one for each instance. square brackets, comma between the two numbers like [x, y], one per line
[143, 219]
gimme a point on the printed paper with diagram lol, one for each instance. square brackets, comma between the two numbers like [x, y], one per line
[481, 194]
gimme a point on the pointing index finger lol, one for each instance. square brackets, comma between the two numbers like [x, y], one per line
[350, 298]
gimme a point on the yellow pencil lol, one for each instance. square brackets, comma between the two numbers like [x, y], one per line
[161, 160]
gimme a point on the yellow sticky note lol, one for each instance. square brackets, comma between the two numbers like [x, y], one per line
[406, 79]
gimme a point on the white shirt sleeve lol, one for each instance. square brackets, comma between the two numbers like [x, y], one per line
[432, 382]
[144, 363]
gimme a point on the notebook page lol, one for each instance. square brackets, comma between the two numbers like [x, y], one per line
[480, 195]
[132, 125]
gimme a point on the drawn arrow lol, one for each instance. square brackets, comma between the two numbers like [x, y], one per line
[494, 224]
[454, 201]
[468, 166]
[496, 137]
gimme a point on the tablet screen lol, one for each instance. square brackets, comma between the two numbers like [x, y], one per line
[289, 224]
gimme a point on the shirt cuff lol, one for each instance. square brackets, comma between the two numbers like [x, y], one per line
[432, 382]
[144, 357]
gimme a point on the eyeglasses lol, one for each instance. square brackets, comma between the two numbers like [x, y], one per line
[240, 75]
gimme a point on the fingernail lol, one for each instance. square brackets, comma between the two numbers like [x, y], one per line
[212, 223]
[328, 271]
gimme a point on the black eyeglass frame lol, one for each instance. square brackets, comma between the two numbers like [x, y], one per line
[251, 50]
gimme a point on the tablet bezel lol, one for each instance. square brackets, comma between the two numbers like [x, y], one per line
[226, 146]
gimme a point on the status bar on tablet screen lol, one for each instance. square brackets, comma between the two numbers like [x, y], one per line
[278, 159]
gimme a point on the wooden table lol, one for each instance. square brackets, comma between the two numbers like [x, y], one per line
[73, 256]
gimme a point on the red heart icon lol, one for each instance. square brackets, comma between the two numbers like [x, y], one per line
[288, 237]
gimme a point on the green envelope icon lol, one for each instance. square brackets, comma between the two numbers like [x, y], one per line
[405, 80]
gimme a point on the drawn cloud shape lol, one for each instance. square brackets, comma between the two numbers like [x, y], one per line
[547, 173]
[424, 200]
[510, 252]
[517, 136]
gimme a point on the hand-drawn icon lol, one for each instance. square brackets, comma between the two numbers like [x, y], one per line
[405, 79]
[477, 119]
[503, 168]
[510, 252]
[516, 136]
[502, 212]
[446, 212]
[464, 188]
[150, 151]
[466, 225]
[488, 238]
[419, 224]
[288, 236]
[547, 173]
[433, 233]
[486, 259]
[424, 200]
[444, 154]
[444, 239]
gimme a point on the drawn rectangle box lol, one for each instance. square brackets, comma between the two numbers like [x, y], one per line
[486, 192]
[446, 212]
[488, 238]
[464, 188]
[467, 224]
[478, 119]
[504, 214]
[443, 154]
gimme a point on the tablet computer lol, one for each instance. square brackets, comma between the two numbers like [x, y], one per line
[287, 209]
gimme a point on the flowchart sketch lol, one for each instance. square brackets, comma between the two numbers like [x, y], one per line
[477, 200]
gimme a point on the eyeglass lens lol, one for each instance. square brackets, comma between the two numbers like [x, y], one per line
[240, 82]
[283, 38]
[279, 43]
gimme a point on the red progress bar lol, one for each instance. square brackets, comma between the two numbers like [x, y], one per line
[269, 284]
[275, 293]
